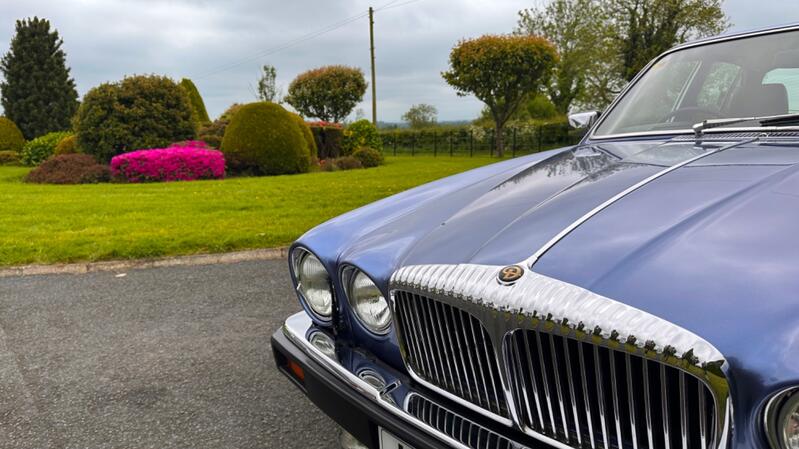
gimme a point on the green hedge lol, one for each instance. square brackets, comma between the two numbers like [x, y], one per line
[263, 139]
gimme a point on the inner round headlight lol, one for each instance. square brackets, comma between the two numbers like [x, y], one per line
[368, 302]
[782, 420]
[313, 283]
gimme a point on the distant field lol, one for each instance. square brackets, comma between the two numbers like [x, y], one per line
[50, 224]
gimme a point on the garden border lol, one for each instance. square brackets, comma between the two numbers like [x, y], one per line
[138, 264]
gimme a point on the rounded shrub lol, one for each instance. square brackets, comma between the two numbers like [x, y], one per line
[137, 112]
[9, 158]
[188, 161]
[41, 148]
[11, 138]
[347, 163]
[263, 139]
[310, 141]
[213, 132]
[361, 133]
[369, 157]
[69, 169]
[67, 145]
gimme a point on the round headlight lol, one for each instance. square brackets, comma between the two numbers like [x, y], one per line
[368, 302]
[313, 283]
[782, 420]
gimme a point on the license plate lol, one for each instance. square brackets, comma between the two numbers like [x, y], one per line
[389, 441]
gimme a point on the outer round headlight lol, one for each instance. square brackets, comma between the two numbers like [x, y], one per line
[368, 302]
[782, 420]
[313, 283]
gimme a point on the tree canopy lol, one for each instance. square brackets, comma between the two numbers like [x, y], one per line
[501, 71]
[37, 92]
[603, 44]
[421, 115]
[328, 93]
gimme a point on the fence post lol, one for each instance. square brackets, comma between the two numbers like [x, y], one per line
[435, 143]
[513, 145]
[413, 145]
[471, 143]
[450, 144]
[540, 137]
[396, 137]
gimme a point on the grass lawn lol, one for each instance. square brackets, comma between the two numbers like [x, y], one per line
[49, 224]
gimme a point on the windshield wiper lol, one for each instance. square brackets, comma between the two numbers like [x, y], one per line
[765, 120]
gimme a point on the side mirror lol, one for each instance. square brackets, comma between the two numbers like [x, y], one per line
[583, 120]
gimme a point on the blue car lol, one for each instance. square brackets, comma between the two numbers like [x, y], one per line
[639, 290]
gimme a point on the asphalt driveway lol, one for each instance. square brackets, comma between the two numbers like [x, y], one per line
[162, 358]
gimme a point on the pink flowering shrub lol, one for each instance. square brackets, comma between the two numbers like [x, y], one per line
[184, 161]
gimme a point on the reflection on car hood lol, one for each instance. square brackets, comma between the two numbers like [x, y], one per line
[711, 246]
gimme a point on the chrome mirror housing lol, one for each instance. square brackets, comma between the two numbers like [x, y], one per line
[583, 120]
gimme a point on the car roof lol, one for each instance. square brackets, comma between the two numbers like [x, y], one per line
[738, 34]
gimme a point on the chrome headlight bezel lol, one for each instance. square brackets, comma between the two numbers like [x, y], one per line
[298, 256]
[776, 414]
[349, 274]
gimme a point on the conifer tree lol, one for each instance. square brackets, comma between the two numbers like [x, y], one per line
[37, 92]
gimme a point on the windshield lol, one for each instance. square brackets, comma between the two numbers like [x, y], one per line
[749, 77]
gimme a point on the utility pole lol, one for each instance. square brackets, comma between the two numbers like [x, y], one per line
[372, 49]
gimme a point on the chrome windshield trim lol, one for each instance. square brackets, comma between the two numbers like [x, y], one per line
[577, 223]
[680, 132]
[591, 134]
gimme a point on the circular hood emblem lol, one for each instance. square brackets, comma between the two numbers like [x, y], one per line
[509, 274]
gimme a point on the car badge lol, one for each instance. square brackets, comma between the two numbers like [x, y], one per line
[510, 274]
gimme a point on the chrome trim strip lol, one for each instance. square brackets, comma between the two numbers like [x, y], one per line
[473, 289]
[590, 214]
[631, 398]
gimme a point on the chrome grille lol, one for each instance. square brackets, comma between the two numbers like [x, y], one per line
[588, 395]
[455, 426]
[449, 348]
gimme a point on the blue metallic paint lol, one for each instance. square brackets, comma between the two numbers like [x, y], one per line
[711, 247]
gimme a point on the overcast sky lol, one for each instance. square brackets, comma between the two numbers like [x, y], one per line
[221, 44]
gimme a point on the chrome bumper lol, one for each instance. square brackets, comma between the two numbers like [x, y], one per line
[399, 397]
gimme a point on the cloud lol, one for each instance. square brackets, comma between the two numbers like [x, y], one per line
[222, 44]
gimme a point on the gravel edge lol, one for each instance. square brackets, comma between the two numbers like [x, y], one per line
[123, 265]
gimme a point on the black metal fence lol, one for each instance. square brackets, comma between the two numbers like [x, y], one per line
[474, 141]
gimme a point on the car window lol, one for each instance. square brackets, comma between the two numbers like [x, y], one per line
[752, 76]
[722, 78]
[665, 87]
[790, 79]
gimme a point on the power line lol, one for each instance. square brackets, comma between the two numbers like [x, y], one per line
[304, 38]
[285, 45]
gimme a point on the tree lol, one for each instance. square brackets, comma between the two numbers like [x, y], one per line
[604, 44]
[37, 93]
[501, 71]
[267, 87]
[421, 115]
[198, 112]
[327, 93]
[643, 29]
[575, 27]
